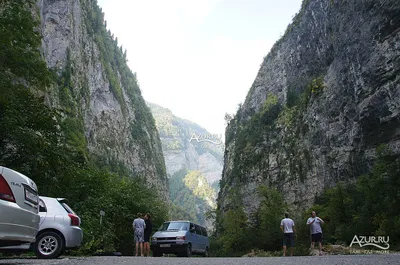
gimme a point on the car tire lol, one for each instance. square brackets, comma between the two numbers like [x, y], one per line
[188, 250]
[206, 253]
[49, 245]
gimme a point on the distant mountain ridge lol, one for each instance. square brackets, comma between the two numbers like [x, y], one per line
[186, 145]
[194, 161]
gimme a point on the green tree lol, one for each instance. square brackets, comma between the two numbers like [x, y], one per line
[233, 237]
[367, 207]
[268, 219]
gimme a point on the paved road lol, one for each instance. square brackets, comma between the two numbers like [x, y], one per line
[348, 259]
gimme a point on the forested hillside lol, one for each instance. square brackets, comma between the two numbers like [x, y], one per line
[49, 142]
[192, 197]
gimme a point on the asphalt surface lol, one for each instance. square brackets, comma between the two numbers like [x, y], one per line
[345, 259]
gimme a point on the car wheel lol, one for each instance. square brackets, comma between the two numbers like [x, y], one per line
[188, 252]
[49, 245]
[206, 253]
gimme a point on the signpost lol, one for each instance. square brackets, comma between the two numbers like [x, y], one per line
[102, 213]
[104, 253]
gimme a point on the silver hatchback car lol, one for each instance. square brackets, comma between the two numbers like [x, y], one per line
[59, 228]
[19, 219]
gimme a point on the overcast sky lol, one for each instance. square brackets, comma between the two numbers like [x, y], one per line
[197, 58]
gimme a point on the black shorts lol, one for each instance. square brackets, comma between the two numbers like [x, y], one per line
[316, 237]
[288, 239]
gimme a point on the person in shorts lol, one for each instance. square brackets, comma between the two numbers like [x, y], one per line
[138, 226]
[288, 229]
[316, 231]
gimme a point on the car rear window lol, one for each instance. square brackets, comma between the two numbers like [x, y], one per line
[66, 207]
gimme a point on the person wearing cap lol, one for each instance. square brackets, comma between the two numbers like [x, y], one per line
[289, 231]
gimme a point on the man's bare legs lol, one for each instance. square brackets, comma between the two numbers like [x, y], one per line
[284, 251]
[319, 246]
[141, 249]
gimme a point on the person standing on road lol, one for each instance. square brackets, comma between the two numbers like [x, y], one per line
[139, 226]
[288, 229]
[316, 231]
[147, 233]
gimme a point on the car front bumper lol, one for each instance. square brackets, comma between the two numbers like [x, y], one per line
[168, 247]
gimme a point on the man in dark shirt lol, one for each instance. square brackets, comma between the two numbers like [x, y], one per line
[147, 234]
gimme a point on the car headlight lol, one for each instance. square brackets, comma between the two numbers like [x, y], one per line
[154, 238]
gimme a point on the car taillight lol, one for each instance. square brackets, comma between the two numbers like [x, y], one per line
[180, 238]
[74, 219]
[5, 190]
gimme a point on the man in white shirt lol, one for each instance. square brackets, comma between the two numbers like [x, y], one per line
[288, 229]
[316, 231]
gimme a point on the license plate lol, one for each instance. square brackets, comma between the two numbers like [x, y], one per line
[165, 245]
[31, 196]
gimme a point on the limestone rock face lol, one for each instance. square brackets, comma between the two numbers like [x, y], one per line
[335, 75]
[188, 146]
[110, 124]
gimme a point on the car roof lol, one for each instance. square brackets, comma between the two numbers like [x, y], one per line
[186, 221]
[52, 198]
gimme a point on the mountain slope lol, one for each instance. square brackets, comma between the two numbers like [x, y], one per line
[183, 147]
[104, 112]
[192, 197]
[193, 164]
[326, 96]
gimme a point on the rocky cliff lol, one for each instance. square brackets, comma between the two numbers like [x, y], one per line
[326, 96]
[99, 96]
[188, 146]
[193, 158]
